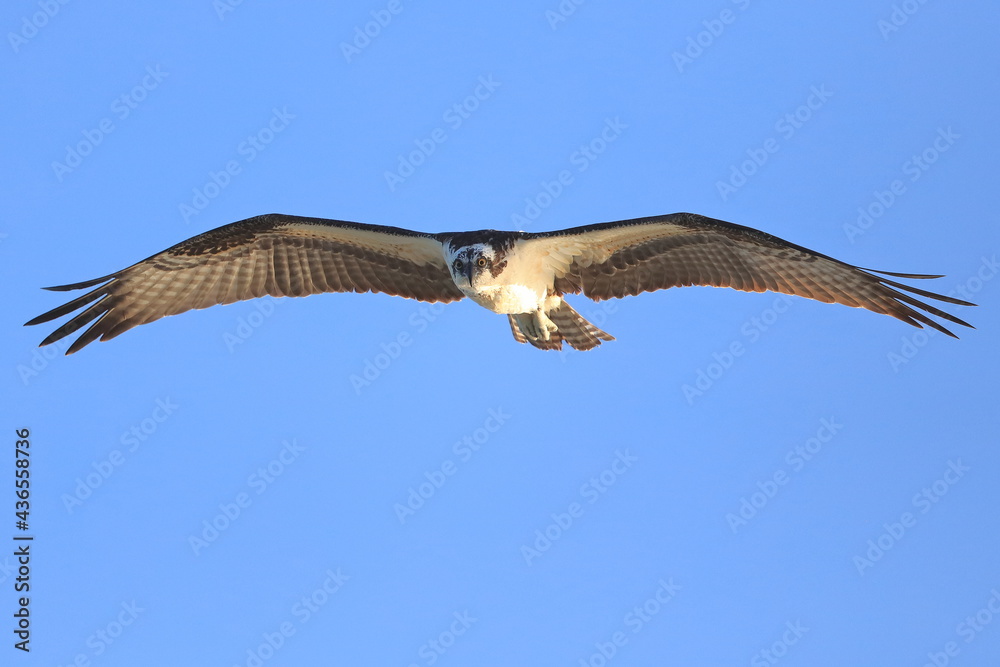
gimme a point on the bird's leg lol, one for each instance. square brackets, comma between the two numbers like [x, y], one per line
[536, 325]
[546, 326]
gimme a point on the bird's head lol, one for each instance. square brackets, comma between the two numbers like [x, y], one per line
[474, 266]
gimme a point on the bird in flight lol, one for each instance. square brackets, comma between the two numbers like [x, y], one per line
[518, 274]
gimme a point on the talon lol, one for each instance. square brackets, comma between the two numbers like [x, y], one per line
[547, 326]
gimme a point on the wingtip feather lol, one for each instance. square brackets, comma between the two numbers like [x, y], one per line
[81, 285]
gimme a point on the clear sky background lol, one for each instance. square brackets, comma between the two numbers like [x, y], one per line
[737, 479]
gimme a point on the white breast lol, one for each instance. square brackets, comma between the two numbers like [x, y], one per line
[507, 299]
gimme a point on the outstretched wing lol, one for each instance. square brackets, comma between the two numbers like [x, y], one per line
[279, 255]
[617, 259]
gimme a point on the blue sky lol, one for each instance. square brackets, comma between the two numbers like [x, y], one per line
[344, 479]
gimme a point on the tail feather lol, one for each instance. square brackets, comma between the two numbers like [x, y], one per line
[516, 330]
[570, 326]
[575, 330]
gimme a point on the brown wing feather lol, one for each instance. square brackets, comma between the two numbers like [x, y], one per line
[613, 260]
[275, 255]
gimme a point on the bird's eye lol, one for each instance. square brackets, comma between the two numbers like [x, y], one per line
[481, 262]
[458, 265]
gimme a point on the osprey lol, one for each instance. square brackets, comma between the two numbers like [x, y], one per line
[518, 274]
